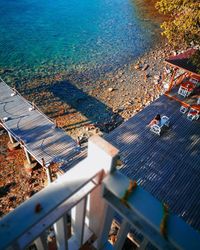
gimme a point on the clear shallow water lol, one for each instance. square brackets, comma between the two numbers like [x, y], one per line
[48, 36]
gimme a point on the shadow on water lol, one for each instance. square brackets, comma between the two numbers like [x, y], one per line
[96, 112]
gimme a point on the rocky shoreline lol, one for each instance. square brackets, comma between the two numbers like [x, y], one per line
[79, 104]
[82, 108]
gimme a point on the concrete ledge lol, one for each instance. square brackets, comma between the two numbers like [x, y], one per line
[102, 154]
[104, 145]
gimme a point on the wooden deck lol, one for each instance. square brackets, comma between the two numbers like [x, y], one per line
[37, 132]
[167, 166]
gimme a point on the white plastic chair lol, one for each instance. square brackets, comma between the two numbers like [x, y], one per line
[183, 92]
[193, 115]
[157, 128]
[183, 109]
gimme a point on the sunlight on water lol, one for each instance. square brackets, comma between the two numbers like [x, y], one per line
[50, 36]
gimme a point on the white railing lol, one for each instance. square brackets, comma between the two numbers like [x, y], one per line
[92, 201]
[76, 192]
[49, 207]
[145, 214]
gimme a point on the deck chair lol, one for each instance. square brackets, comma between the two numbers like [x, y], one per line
[157, 128]
[193, 115]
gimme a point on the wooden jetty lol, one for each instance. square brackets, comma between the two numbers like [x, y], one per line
[36, 133]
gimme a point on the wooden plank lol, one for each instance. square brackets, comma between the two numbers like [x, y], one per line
[166, 166]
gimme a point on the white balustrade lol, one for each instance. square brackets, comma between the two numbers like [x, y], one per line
[29, 222]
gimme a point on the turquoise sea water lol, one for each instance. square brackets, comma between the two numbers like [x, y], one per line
[48, 36]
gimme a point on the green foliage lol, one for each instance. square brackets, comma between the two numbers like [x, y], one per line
[183, 26]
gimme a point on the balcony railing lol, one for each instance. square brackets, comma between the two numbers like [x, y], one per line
[91, 194]
[72, 193]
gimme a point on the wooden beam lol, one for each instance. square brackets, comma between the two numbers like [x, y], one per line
[172, 79]
[186, 70]
[27, 156]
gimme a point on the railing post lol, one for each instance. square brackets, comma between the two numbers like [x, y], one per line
[106, 225]
[41, 242]
[60, 228]
[172, 79]
[122, 234]
[102, 154]
[78, 223]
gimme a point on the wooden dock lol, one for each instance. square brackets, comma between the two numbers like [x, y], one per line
[167, 166]
[35, 131]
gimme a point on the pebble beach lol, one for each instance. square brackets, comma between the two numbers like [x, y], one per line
[83, 100]
[79, 104]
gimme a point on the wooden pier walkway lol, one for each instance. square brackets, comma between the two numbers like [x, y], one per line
[36, 132]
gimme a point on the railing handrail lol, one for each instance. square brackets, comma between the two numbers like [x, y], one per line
[146, 213]
[18, 222]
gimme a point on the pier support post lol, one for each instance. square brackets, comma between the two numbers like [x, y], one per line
[27, 163]
[48, 172]
[12, 144]
[27, 156]
[10, 137]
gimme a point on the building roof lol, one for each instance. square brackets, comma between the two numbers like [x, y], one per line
[183, 61]
[167, 166]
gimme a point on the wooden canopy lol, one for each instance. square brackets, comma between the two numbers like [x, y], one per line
[183, 61]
